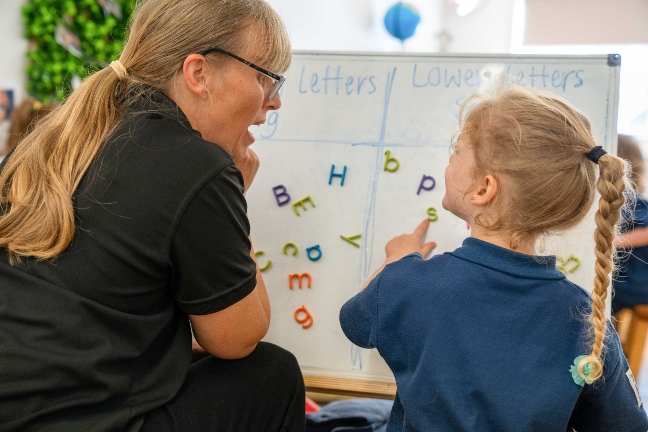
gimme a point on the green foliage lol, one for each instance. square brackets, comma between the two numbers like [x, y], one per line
[51, 66]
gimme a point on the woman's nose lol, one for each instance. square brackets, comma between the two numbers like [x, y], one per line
[274, 103]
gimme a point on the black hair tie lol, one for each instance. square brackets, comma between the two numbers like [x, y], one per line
[595, 154]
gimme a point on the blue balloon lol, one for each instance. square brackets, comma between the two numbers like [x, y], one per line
[401, 20]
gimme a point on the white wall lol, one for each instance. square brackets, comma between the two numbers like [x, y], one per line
[327, 25]
[485, 30]
[13, 47]
[355, 25]
[625, 21]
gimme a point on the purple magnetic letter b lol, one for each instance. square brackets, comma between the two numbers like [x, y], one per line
[281, 195]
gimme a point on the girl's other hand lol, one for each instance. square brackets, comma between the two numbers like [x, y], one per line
[249, 165]
[405, 244]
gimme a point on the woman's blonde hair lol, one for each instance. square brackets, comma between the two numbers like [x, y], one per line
[537, 143]
[40, 178]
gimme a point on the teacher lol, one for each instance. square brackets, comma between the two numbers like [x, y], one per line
[123, 227]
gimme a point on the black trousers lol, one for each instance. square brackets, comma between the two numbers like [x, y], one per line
[263, 392]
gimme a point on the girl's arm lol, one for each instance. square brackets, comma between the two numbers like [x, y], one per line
[638, 237]
[405, 244]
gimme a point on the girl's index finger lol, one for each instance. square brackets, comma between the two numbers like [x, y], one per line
[422, 228]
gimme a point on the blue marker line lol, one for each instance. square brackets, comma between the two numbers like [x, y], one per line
[363, 144]
[369, 209]
[371, 221]
[390, 84]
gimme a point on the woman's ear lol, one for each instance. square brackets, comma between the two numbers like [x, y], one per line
[194, 70]
[485, 191]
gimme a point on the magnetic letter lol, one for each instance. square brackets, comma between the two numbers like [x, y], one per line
[564, 264]
[422, 184]
[318, 251]
[265, 267]
[432, 214]
[283, 193]
[302, 204]
[307, 321]
[334, 174]
[350, 239]
[290, 245]
[392, 160]
[299, 277]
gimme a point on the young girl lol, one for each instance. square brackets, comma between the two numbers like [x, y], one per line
[491, 337]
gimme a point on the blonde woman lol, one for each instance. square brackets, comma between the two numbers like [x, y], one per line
[491, 336]
[123, 221]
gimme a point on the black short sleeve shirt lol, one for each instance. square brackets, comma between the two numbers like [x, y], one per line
[99, 336]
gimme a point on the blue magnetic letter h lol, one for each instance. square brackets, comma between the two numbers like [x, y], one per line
[334, 174]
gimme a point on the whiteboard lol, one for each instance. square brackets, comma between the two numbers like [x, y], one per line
[344, 112]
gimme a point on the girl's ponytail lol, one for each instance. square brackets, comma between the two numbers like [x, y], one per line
[611, 185]
[41, 176]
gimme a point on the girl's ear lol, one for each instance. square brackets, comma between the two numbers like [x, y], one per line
[485, 191]
[194, 70]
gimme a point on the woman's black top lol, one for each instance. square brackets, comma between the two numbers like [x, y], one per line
[97, 337]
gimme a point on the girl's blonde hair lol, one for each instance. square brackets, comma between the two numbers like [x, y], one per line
[40, 178]
[537, 143]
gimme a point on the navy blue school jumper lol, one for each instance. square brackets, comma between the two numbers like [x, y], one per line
[631, 284]
[482, 339]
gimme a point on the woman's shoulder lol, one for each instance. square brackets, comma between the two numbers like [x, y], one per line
[157, 144]
[156, 127]
[162, 132]
[155, 156]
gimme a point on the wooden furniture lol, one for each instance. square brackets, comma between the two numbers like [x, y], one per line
[350, 387]
[632, 326]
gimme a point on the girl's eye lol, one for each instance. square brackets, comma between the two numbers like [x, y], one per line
[262, 79]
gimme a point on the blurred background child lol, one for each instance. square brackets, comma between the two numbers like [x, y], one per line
[22, 119]
[631, 283]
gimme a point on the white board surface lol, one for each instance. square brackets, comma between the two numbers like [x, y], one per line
[347, 111]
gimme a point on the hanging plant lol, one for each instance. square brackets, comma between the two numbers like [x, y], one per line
[71, 38]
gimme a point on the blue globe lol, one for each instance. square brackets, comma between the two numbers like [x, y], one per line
[401, 20]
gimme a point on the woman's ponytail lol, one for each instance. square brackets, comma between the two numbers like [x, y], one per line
[41, 176]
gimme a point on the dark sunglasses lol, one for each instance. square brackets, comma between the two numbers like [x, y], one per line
[278, 79]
